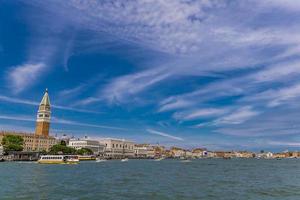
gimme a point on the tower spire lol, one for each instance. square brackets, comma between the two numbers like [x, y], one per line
[43, 116]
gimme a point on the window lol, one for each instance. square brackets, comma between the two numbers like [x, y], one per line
[40, 115]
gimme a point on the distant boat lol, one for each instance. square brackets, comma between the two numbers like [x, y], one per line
[185, 161]
[101, 160]
[125, 160]
[159, 159]
[86, 157]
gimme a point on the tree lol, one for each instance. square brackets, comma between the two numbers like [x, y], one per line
[63, 143]
[12, 143]
[85, 151]
[61, 149]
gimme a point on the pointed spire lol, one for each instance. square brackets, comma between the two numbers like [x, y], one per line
[46, 100]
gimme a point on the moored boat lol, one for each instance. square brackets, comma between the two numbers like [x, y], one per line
[159, 159]
[124, 160]
[86, 158]
[58, 159]
[100, 160]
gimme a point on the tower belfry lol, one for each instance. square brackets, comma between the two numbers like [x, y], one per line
[43, 116]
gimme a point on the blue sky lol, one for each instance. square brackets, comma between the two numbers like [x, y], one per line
[215, 74]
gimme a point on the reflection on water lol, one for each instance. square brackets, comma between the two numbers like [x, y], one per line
[145, 179]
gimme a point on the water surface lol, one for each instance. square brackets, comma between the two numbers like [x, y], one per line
[207, 179]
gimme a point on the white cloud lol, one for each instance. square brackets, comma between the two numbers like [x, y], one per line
[58, 121]
[284, 143]
[23, 76]
[35, 103]
[173, 105]
[237, 117]
[164, 134]
[199, 113]
[70, 122]
[124, 87]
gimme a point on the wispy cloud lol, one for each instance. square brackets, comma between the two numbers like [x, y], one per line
[70, 122]
[237, 117]
[199, 113]
[170, 104]
[18, 118]
[23, 76]
[128, 85]
[164, 134]
[284, 143]
[34, 103]
[58, 121]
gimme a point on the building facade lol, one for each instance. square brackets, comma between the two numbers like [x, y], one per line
[1, 150]
[93, 145]
[144, 151]
[177, 152]
[118, 148]
[32, 142]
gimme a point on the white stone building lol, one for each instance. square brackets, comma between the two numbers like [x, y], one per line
[144, 151]
[118, 148]
[1, 150]
[93, 145]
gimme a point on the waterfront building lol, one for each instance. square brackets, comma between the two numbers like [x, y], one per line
[160, 151]
[224, 154]
[32, 142]
[40, 140]
[266, 155]
[280, 155]
[1, 150]
[144, 151]
[118, 148]
[177, 152]
[242, 154]
[94, 145]
[199, 152]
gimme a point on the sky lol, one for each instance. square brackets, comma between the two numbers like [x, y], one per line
[219, 74]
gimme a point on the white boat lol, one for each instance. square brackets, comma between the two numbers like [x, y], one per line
[101, 160]
[58, 159]
[159, 159]
[185, 161]
[124, 160]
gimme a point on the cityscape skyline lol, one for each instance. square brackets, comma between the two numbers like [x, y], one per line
[188, 74]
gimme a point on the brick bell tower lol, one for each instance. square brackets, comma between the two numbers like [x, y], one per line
[43, 116]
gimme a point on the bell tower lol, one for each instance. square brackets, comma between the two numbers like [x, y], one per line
[43, 116]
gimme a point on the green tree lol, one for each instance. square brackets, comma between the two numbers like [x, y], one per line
[61, 149]
[12, 143]
[85, 151]
[63, 143]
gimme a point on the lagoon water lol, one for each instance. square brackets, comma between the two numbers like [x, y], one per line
[235, 179]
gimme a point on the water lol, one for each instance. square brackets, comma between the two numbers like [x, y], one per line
[234, 179]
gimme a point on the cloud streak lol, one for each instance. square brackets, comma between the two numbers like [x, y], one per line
[58, 121]
[34, 103]
[164, 134]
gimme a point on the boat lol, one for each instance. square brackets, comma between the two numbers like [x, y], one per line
[100, 160]
[185, 161]
[87, 158]
[159, 159]
[124, 160]
[58, 159]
